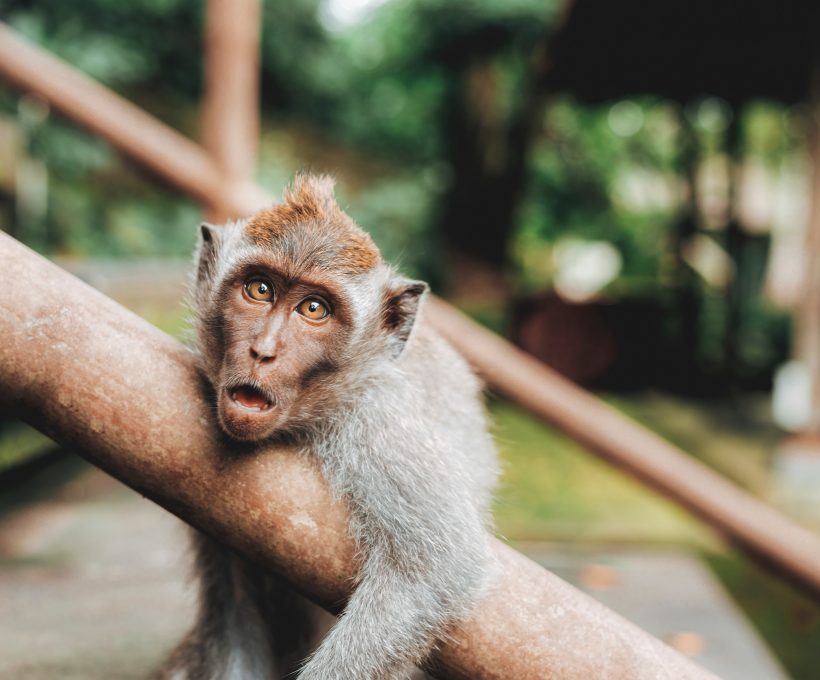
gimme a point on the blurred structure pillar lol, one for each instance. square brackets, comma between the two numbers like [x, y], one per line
[797, 464]
[687, 298]
[734, 298]
[230, 110]
[807, 321]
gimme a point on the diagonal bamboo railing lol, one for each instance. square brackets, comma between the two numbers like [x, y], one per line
[759, 529]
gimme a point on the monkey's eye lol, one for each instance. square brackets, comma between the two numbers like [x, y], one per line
[313, 308]
[259, 289]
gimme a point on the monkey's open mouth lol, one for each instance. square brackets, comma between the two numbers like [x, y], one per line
[251, 398]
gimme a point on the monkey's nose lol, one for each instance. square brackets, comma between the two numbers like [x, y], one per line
[260, 355]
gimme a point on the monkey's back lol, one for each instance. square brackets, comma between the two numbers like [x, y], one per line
[450, 396]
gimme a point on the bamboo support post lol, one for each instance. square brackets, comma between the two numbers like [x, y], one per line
[95, 377]
[763, 531]
[230, 110]
[807, 308]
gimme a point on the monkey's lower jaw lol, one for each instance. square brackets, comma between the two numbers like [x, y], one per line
[248, 397]
[247, 413]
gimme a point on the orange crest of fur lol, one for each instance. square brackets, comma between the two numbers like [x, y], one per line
[309, 205]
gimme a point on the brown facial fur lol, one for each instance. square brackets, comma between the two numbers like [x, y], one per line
[309, 220]
[273, 371]
[273, 348]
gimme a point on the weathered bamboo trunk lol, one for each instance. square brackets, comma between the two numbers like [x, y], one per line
[96, 377]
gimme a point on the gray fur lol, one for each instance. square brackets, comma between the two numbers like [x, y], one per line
[398, 427]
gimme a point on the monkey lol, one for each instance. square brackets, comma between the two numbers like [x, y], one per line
[307, 335]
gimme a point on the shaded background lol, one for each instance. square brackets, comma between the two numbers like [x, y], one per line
[624, 189]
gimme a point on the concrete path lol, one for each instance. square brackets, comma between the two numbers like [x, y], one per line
[92, 587]
[674, 597]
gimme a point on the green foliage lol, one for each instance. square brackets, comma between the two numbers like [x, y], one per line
[578, 169]
[148, 42]
[396, 212]
[400, 88]
[383, 85]
[97, 204]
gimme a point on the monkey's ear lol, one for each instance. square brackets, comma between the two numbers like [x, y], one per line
[207, 230]
[401, 305]
[208, 246]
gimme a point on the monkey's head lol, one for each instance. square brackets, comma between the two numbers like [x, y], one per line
[291, 303]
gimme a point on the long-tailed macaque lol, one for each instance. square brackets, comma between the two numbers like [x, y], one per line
[306, 334]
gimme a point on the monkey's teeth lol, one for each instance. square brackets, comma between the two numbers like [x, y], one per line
[250, 398]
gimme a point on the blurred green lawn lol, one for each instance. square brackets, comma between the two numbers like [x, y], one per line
[552, 489]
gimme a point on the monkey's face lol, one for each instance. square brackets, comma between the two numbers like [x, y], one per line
[282, 339]
[293, 304]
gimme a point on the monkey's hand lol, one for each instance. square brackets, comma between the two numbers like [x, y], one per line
[416, 514]
[389, 624]
[403, 603]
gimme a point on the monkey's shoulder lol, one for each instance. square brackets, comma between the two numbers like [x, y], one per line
[432, 360]
[446, 400]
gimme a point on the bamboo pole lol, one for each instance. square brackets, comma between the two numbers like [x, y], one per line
[761, 530]
[230, 110]
[129, 129]
[99, 379]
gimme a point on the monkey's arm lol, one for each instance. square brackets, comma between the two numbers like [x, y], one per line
[425, 553]
[391, 621]
[229, 638]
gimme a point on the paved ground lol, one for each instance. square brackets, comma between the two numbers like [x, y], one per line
[674, 597]
[92, 587]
